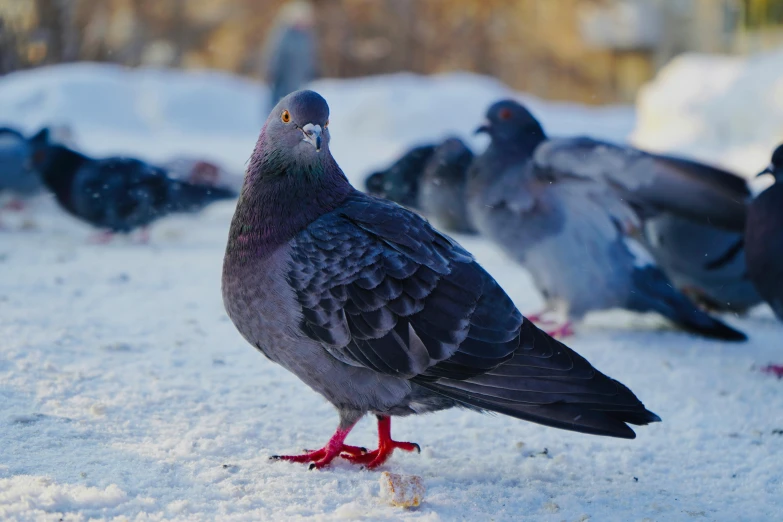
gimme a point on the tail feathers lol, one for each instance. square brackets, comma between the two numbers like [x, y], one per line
[189, 197]
[654, 292]
[594, 419]
[548, 383]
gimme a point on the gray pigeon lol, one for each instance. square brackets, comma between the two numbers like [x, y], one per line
[764, 238]
[443, 184]
[17, 173]
[576, 224]
[379, 312]
[432, 180]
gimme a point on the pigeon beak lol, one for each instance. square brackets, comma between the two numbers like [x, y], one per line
[485, 127]
[312, 135]
[769, 170]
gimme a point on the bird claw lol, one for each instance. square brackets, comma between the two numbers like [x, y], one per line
[562, 331]
[375, 458]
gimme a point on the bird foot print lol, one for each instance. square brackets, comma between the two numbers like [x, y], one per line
[774, 369]
[561, 332]
[324, 456]
[375, 458]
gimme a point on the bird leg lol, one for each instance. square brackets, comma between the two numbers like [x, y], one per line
[540, 317]
[334, 448]
[774, 369]
[144, 236]
[386, 446]
[16, 205]
[564, 330]
[102, 238]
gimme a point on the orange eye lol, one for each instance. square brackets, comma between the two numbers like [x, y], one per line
[505, 114]
[326, 124]
[286, 116]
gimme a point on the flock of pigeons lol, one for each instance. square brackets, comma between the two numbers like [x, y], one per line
[600, 225]
[379, 312]
[115, 194]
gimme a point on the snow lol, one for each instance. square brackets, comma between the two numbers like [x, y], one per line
[127, 394]
[725, 110]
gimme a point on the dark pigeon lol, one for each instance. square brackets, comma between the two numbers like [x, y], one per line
[119, 194]
[17, 173]
[575, 224]
[443, 184]
[704, 261]
[379, 312]
[431, 180]
[764, 238]
[400, 182]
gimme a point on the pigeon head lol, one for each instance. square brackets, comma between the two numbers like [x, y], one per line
[298, 126]
[509, 122]
[776, 165]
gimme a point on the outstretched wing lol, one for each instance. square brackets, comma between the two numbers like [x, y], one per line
[652, 183]
[381, 289]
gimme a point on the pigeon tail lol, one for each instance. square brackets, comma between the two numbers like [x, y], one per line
[654, 292]
[190, 197]
[536, 386]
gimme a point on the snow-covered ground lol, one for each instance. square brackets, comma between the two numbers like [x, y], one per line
[126, 393]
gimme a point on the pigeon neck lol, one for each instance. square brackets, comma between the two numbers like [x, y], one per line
[521, 146]
[280, 198]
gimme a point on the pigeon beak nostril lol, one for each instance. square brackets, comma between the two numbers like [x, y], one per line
[312, 135]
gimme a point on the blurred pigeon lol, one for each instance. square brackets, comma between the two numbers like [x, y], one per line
[17, 173]
[201, 172]
[704, 261]
[380, 313]
[119, 194]
[575, 224]
[400, 182]
[764, 238]
[443, 184]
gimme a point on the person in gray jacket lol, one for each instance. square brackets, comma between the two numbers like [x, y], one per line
[292, 55]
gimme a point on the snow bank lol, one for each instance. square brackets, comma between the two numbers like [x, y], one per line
[159, 114]
[726, 110]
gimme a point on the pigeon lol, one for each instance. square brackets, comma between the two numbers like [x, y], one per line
[575, 224]
[17, 174]
[705, 262]
[764, 237]
[430, 179]
[119, 194]
[380, 313]
[400, 182]
[443, 184]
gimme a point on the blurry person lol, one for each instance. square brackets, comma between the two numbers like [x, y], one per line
[291, 54]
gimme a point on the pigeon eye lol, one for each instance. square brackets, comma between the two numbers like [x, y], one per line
[286, 116]
[326, 124]
[505, 114]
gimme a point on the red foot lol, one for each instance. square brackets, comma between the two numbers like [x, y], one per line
[336, 447]
[101, 238]
[540, 317]
[144, 236]
[562, 331]
[15, 205]
[774, 369]
[322, 457]
[386, 446]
